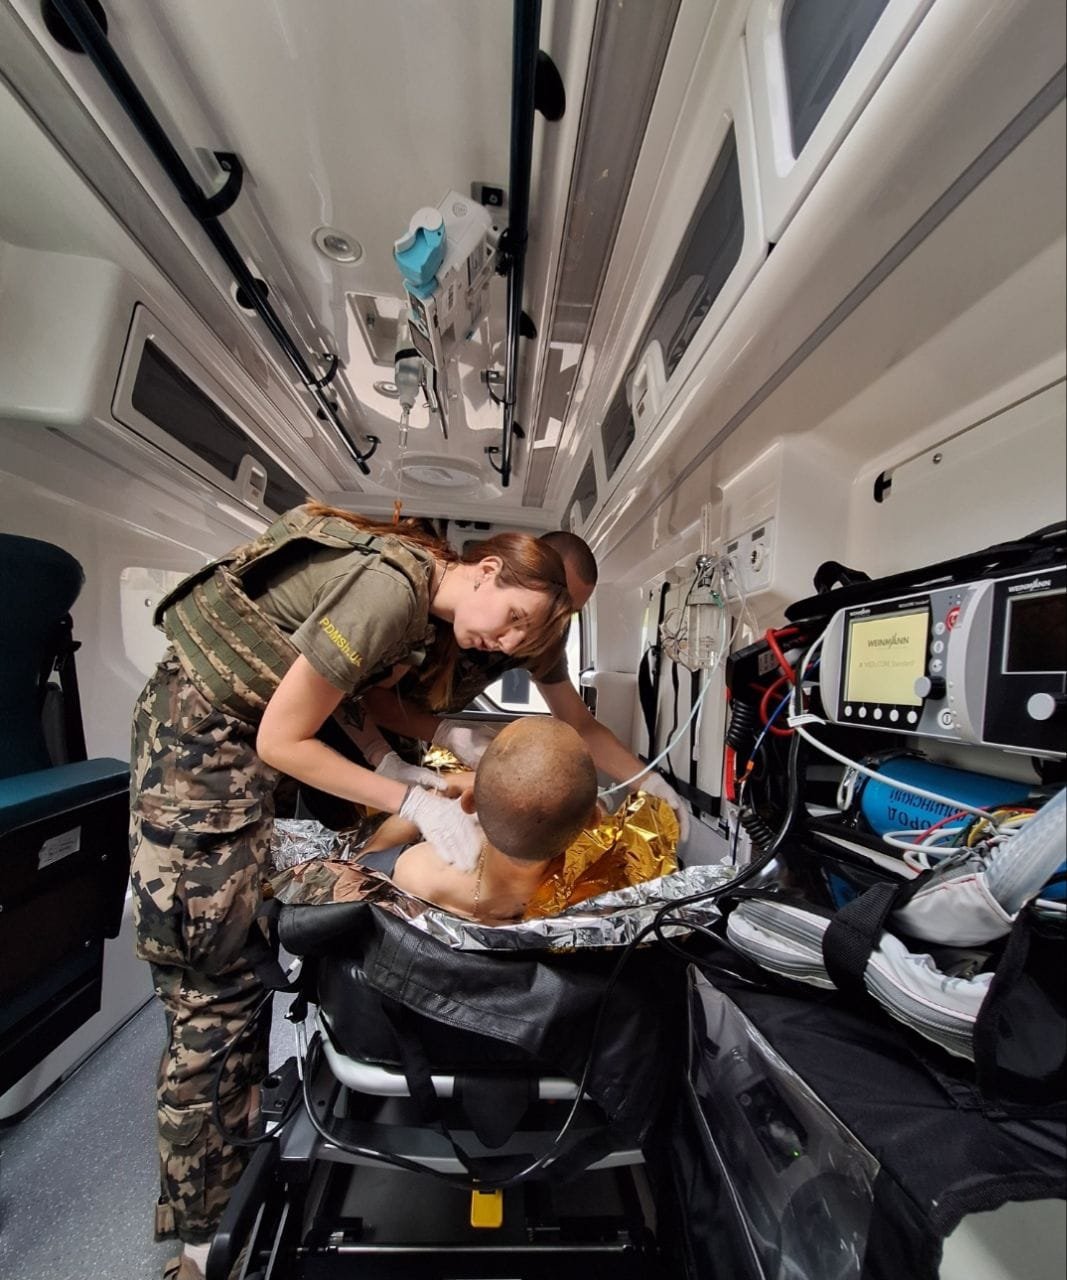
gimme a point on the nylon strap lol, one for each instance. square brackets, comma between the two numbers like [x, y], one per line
[853, 934]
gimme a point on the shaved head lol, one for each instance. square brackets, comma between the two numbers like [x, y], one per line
[535, 788]
[578, 562]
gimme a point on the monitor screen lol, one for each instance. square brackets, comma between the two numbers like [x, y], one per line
[1036, 642]
[886, 655]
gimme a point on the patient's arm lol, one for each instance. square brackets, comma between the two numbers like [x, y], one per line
[393, 831]
[396, 830]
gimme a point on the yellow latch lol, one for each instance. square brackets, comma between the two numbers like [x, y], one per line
[487, 1208]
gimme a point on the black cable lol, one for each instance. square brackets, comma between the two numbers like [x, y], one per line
[674, 725]
[233, 1139]
[741, 732]
[312, 1062]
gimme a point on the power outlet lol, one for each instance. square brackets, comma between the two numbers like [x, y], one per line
[751, 561]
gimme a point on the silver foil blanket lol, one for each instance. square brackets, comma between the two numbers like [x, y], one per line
[610, 920]
[297, 840]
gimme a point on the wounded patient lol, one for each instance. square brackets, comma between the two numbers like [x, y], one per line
[547, 843]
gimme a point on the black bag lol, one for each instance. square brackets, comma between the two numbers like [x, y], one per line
[934, 1151]
[521, 1010]
[1020, 1036]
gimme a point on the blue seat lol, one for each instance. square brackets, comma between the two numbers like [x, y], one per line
[64, 859]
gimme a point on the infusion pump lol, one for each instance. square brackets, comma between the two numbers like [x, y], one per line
[982, 662]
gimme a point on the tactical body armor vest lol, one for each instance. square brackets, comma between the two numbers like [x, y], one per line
[233, 653]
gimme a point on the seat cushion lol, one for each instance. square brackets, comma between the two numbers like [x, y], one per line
[28, 797]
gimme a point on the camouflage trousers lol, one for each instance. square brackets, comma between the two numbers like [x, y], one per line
[202, 809]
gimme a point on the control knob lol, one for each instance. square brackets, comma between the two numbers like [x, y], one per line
[1046, 706]
[930, 687]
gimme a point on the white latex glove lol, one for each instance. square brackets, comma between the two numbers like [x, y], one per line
[467, 742]
[655, 785]
[391, 766]
[455, 835]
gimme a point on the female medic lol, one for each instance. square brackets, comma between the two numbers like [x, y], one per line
[268, 642]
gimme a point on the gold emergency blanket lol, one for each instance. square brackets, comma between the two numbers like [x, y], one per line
[441, 760]
[636, 844]
[633, 846]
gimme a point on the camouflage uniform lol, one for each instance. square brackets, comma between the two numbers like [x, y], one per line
[200, 833]
[202, 809]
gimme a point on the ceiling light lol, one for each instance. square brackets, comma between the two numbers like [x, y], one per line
[337, 246]
[434, 471]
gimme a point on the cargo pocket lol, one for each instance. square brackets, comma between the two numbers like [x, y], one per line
[196, 873]
[185, 1136]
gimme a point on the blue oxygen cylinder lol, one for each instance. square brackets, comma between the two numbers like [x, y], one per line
[887, 807]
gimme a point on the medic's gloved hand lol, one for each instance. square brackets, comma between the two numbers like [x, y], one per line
[467, 742]
[656, 786]
[455, 835]
[391, 766]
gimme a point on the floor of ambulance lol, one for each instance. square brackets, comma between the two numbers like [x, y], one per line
[78, 1175]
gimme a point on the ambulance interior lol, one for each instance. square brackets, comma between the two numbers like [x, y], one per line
[764, 299]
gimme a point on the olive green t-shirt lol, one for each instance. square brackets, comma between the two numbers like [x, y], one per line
[476, 670]
[350, 613]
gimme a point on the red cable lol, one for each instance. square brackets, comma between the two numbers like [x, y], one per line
[921, 835]
[771, 636]
[765, 708]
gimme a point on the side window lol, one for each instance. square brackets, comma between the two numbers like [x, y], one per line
[516, 692]
[158, 397]
[283, 491]
[166, 395]
[585, 490]
[709, 252]
[617, 430]
[813, 67]
[821, 39]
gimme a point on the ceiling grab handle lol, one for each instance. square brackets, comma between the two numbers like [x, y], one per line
[524, 47]
[206, 209]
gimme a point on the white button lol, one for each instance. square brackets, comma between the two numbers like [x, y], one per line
[939, 628]
[945, 719]
[848, 710]
[913, 717]
[938, 646]
[936, 664]
[878, 713]
[863, 713]
[894, 715]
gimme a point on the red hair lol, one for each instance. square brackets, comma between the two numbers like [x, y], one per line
[525, 561]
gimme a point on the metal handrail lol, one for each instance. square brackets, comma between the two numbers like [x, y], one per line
[206, 209]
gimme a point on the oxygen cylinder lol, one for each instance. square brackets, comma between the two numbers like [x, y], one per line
[888, 807]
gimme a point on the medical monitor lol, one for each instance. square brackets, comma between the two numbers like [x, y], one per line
[886, 655]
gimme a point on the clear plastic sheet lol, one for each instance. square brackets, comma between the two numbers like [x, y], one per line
[803, 1182]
